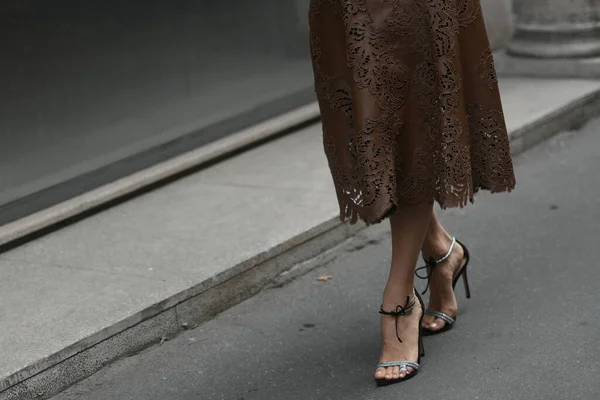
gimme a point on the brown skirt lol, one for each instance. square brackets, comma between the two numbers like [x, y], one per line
[410, 105]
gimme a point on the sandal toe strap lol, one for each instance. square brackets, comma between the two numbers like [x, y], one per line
[445, 317]
[402, 364]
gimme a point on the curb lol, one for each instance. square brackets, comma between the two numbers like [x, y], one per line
[172, 316]
[202, 302]
[572, 116]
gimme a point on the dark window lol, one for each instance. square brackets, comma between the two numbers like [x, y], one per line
[94, 90]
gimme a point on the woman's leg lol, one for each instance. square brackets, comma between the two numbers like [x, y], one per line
[436, 245]
[409, 226]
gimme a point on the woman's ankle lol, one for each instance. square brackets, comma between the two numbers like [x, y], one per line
[395, 295]
[436, 245]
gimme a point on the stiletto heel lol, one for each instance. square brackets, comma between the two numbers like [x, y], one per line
[401, 311]
[466, 282]
[430, 264]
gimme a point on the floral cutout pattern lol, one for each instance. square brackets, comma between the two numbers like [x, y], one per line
[487, 70]
[410, 106]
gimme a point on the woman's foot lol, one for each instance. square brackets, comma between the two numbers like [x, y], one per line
[441, 297]
[407, 330]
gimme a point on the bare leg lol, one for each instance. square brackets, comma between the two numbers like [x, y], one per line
[409, 226]
[436, 245]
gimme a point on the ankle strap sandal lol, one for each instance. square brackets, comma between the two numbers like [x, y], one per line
[429, 267]
[402, 311]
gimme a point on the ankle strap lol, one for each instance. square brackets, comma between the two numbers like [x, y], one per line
[429, 265]
[401, 311]
[433, 263]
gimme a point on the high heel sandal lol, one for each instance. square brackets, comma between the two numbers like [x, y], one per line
[429, 266]
[401, 312]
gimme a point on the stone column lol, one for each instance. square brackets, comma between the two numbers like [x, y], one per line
[556, 28]
[555, 38]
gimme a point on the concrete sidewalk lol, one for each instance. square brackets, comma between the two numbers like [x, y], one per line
[115, 283]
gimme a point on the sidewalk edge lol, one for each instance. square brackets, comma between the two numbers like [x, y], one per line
[171, 316]
[121, 188]
[571, 116]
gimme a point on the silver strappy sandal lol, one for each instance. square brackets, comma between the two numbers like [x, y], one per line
[449, 320]
[401, 311]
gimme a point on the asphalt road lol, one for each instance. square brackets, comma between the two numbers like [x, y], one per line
[530, 331]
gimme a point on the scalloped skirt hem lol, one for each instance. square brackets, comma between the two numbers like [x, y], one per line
[351, 214]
